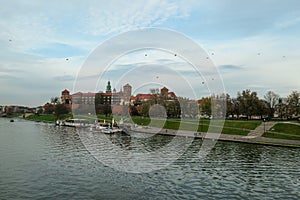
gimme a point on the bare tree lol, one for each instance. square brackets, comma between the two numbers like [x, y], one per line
[55, 100]
[272, 99]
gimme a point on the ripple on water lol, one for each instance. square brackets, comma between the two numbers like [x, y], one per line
[43, 161]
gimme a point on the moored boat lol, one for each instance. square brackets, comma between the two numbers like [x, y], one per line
[78, 123]
[107, 128]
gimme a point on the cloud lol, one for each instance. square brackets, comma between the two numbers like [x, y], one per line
[36, 38]
[64, 78]
[229, 67]
[59, 50]
[4, 69]
[113, 18]
[7, 76]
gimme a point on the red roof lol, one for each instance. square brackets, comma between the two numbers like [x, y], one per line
[89, 94]
[144, 96]
[106, 94]
[164, 88]
[65, 91]
[127, 85]
[172, 94]
[77, 93]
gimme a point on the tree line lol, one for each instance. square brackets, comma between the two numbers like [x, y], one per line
[246, 105]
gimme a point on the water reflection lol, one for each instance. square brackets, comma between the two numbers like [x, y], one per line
[43, 161]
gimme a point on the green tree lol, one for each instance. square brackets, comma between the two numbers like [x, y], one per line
[293, 103]
[230, 106]
[205, 106]
[60, 110]
[133, 110]
[48, 108]
[145, 109]
[248, 103]
[172, 108]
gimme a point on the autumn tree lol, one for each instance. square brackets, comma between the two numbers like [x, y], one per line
[60, 110]
[293, 103]
[248, 103]
[205, 106]
[145, 109]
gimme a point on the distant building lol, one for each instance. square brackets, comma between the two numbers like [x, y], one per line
[117, 101]
[66, 98]
[164, 95]
[87, 101]
[83, 98]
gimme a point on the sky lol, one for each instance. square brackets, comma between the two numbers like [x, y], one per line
[44, 45]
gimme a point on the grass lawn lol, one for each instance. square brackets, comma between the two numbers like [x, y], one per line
[236, 127]
[284, 131]
[46, 117]
[249, 124]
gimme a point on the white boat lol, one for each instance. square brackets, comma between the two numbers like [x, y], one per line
[78, 123]
[104, 127]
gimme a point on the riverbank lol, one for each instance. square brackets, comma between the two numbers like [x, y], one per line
[254, 132]
[221, 137]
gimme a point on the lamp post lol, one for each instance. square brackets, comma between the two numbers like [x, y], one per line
[264, 125]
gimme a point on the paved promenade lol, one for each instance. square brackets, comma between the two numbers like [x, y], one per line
[261, 129]
[254, 136]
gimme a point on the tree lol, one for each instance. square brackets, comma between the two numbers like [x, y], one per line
[229, 106]
[272, 99]
[145, 109]
[155, 94]
[60, 109]
[55, 100]
[48, 108]
[248, 103]
[172, 108]
[293, 103]
[205, 106]
[133, 110]
[263, 109]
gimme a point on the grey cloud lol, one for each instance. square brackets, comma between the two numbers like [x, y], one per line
[64, 78]
[10, 70]
[7, 76]
[230, 67]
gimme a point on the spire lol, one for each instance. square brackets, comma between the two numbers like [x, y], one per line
[108, 87]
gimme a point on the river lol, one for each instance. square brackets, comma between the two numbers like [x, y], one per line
[41, 161]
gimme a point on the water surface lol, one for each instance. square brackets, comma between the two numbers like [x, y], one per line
[40, 160]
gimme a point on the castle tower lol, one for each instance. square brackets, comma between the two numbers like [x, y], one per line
[65, 97]
[164, 92]
[127, 93]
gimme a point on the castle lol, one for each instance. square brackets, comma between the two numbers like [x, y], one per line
[112, 101]
[108, 97]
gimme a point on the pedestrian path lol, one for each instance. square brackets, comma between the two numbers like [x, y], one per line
[254, 137]
[261, 129]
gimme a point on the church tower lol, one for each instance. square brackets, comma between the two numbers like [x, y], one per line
[108, 87]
